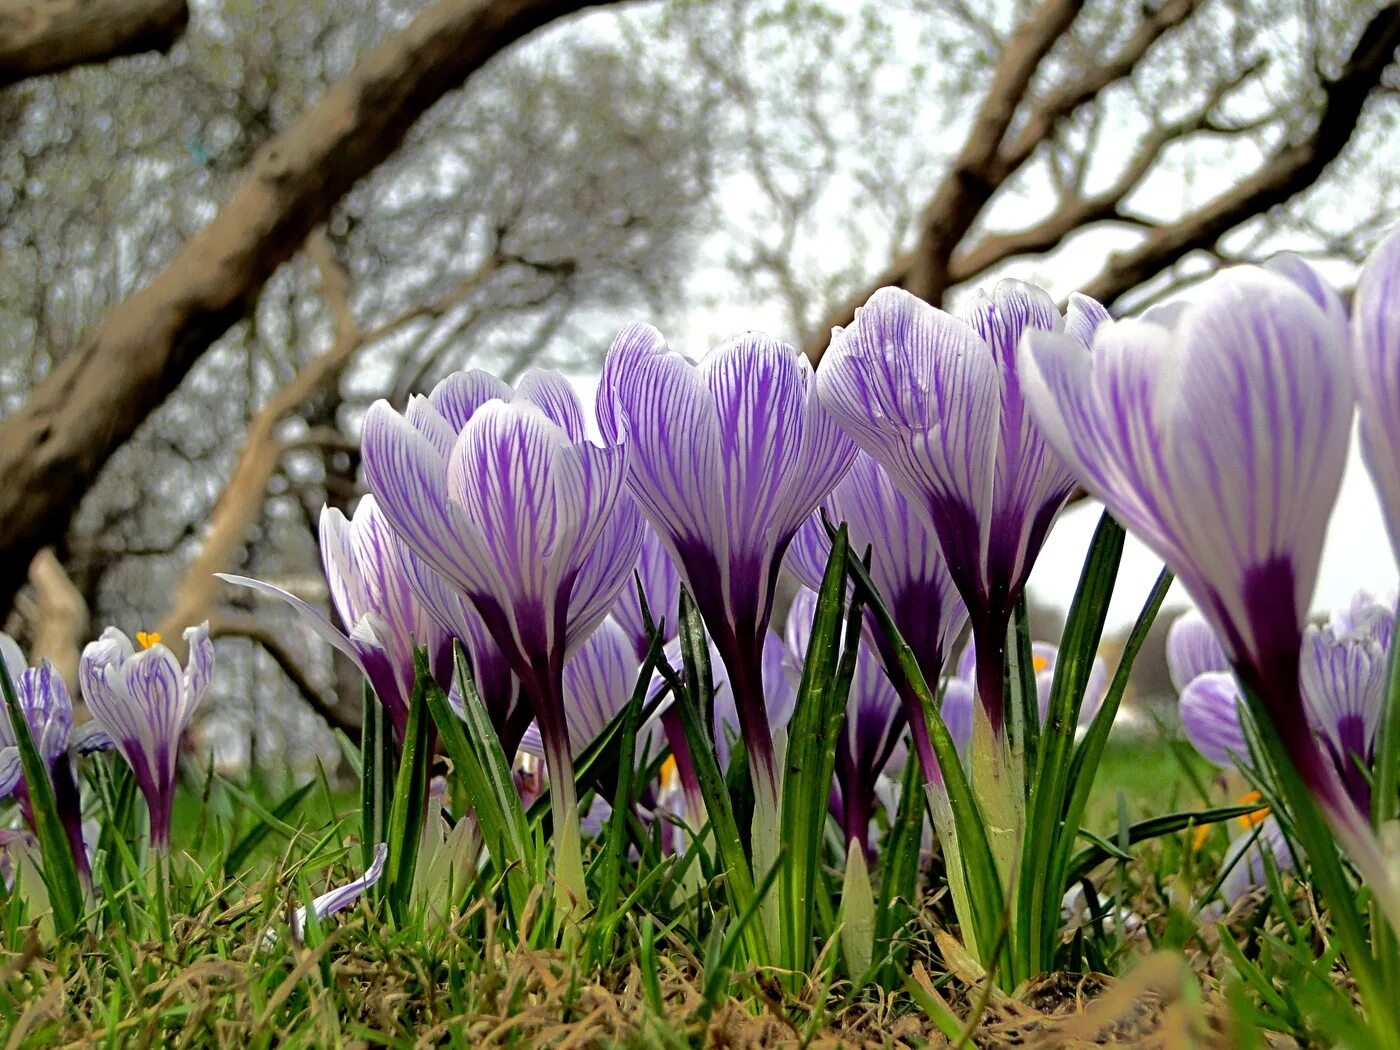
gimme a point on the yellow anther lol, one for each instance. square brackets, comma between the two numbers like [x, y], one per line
[669, 773]
[1251, 820]
[147, 639]
[1040, 663]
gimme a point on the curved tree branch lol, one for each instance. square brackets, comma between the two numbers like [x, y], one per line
[52, 448]
[46, 36]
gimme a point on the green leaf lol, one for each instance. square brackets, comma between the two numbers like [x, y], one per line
[1100, 850]
[1038, 897]
[984, 884]
[857, 914]
[255, 835]
[60, 869]
[377, 772]
[479, 761]
[811, 755]
[405, 831]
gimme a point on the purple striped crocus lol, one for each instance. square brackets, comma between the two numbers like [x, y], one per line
[662, 586]
[1221, 443]
[144, 700]
[375, 586]
[500, 493]
[47, 708]
[1376, 352]
[936, 399]
[908, 569]
[727, 458]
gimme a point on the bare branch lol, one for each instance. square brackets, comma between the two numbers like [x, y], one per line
[46, 36]
[229, 625]
[53, 447]
[1291, 169]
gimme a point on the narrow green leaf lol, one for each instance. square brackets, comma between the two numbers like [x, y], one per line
[857, 915]
[377, 773]
[811, 755]
[60, 870]
[255, 835]
[1051, 783]
[498, 811]
[405, 830]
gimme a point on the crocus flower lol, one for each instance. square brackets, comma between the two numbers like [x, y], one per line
[1044, 658]
[935, 398]
[598, 683]
[1376, 350]
[144, 700]
[47, 708]
[908, 569]
[500, 493]
[369, 577]
[873, 725]
[727, 459]
[1221, 444]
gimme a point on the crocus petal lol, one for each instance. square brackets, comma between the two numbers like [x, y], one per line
[958, 700]
[1305, 276]
[335, 900]
[308, 614]
[11, 772]
[1376, 349]
[457, 397]
[662, 586]
[1083, 317]
[90, 738]
[1244, 860]
[1193, 649]
[1210, 716]
[1343, 678]
[555, 396]
[1221, 443]
[11, 656]
[917, 390]
[598, 683]
[43, 697]
[199, 669]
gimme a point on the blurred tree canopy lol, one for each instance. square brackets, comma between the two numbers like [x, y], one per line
[213, 257]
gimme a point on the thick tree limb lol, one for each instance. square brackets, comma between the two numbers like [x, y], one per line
[1292, 168]
[58, 617]
[53, 447]
[45, 36]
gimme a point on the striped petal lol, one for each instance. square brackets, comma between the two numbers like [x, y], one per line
[457, 397]
[11, 656]
[1343, 676]
[1244, 862]
[662, 586]
[1376, 350]
[1210, 716]
[1193, 650]
[598, 682]
[11, 772]
[555, 396]
[917, 390]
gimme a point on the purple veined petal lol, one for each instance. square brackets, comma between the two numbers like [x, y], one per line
[959, 697]
[1343, 677]
[408, 477]
[199, 669]
[661, 584]
[1244, 860]
[11, 656]
[420, 414]
[457, 397]
[1369, 616]
[327, 904]
[43, 697]
[1193, 650]
[347, 584]
[605, 571]
[648, 398]
[967, 662]
[307, 613]
[1261, 419]
[532, 743]
[90, 738]
[11, 772]
[1083, 317]
[1001, 317]
[917, 390]
[1376, 352]
[598, 683]
[1102, 411]
[1210, 716]
[154, 681]
[1302, 273]
[503, 474]
[556, 398]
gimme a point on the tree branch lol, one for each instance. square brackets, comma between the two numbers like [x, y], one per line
[226, 625]
[53, 447]
[1292, 168]
[46, 36]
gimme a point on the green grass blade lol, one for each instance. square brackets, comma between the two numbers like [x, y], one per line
[255, 835]
[60, 870]
[1100, 850]
[1051, 782]
[377, 772]
[405, 830]
[811, 755]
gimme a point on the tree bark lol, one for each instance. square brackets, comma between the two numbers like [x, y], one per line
[53, 447]
[46, 36]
